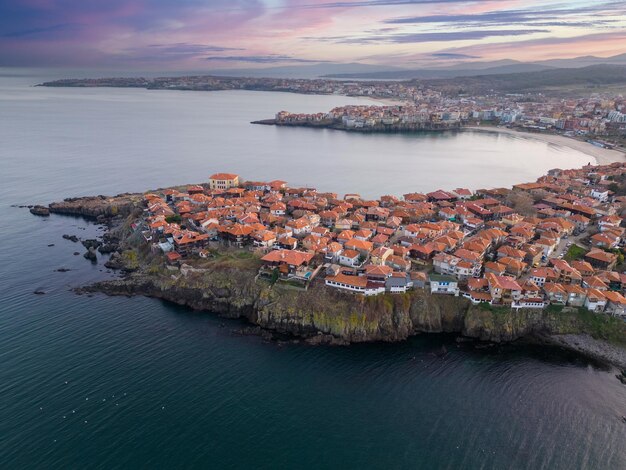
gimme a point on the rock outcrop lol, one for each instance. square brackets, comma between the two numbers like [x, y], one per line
[41, 211]
[97, 207]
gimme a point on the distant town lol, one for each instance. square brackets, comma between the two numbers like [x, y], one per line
[556, 241]
[598, 116]
[601, 119]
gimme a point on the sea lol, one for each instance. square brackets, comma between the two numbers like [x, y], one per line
[89, 381]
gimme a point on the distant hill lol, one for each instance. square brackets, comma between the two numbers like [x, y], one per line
[468, 69]
[524, 82]
[448, 72]
[585, 61]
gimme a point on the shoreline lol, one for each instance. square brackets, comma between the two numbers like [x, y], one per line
[226, 286]
[602, 156]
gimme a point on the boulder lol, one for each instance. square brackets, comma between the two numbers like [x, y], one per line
[114, 262]
[91, 243]
[107, 248]
[90, 254]
[41, 211]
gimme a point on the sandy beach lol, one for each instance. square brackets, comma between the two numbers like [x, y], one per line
[601, 155]
[388, 101]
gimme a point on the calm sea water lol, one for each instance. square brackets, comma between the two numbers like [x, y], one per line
[98, 382]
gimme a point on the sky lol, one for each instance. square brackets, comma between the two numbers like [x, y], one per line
[209, 34]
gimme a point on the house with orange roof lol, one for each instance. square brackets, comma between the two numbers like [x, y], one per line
[363, 247]
[595, 282]
[595, 300]
[513, 266]
[580, 221]
[379, 255]
[398, 263]
[363, 234]
[223, 181]
[320, 232]
[332, 251]
[616, 303]
[583, 267]
[328, 218]
[379, 240]
[608, 222]
[555, 293]
[278, 209]
[351, 258]
[576, 295]
[287, 261]
[567, 274]
[355, 284]
[605, 240]
[189, 241]
[470, 256]
[533, 255]
[542, 275]
[299, 227]
[601, 259]
[510, 252]
[344, 236]
[378, 273]
[343, 224]
[287, 242]
[172, 257]
[415, 197]
[263, 239]
[503, 289]
[612, 278]
[494, 267]
[477, 297]
[462, 193]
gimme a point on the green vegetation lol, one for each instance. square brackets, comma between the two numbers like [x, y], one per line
[275, 275]
[555, 308]
[174, 219]
[601, 326]
[575, 252]
[131, 259]
[495, 309]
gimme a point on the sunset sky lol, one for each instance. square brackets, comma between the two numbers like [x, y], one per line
[205, 34]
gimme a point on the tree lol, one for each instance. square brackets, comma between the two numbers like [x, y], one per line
[274, 277]
[176, 218]
[521, 202]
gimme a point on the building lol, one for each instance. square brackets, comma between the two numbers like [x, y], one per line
[223, 181]
[440, 284]
[356, 284]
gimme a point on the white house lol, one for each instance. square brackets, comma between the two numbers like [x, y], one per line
[440, 284]
[349, 258]
[356, 284]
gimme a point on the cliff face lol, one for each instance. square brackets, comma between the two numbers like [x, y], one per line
[233, 292]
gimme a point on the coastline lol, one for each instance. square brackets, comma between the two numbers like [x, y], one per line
[226, 285]
[601, 155]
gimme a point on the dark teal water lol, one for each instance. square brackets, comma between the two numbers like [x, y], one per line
[98, 382]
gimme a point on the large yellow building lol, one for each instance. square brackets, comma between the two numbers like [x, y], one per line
[223, 181]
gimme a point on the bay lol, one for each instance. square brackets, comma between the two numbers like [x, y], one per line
[98, 382]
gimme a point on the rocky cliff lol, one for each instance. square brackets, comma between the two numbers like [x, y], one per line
[225, 284]
[225, 288]
[97, 207]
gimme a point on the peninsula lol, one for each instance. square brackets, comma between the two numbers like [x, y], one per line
[592, 109]
[542, 259]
